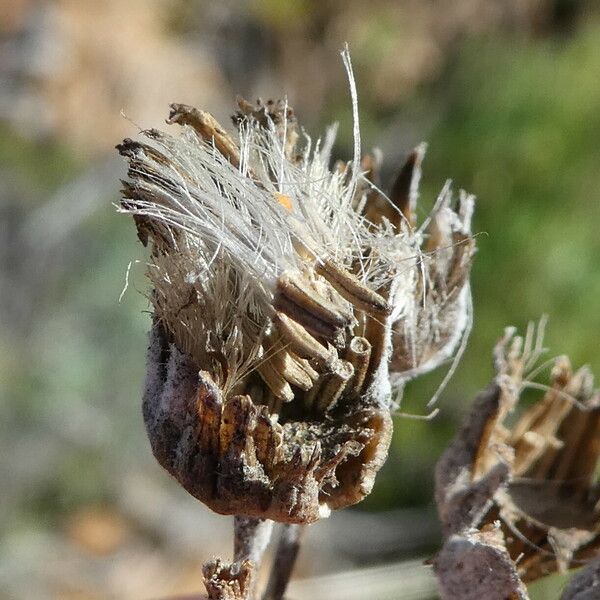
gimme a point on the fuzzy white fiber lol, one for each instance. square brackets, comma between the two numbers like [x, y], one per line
[231, 237]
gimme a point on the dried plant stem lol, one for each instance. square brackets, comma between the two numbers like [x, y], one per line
[285, 559]
[250, 539]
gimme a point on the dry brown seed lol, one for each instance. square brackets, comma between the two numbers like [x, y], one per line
[299, 291]
[210, 408]
[350, 287]
[333, 385]
[275, 380]
[358, 355]
[301, 342]
[283, 362]
[208, 128]
[311, 323]
[306, 367]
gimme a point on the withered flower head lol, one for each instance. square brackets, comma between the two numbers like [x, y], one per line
[290, 300]
[534, 477]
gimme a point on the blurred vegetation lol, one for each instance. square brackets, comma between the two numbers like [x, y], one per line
[510, 116]
[519, 126]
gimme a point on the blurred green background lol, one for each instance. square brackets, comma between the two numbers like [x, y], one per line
[507, 94]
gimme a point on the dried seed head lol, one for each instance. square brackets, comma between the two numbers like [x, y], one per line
[536, 476]
[281, 292]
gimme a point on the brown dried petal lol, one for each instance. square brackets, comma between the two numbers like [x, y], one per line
[441, 312]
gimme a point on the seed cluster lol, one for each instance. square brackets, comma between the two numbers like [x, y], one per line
[289, 298]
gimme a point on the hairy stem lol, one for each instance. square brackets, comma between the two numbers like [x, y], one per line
[250, 539]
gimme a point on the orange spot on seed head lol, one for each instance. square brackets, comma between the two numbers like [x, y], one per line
[285, 201]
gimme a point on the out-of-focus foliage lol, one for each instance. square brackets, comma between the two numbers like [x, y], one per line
[519, 126]
[507, 96]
